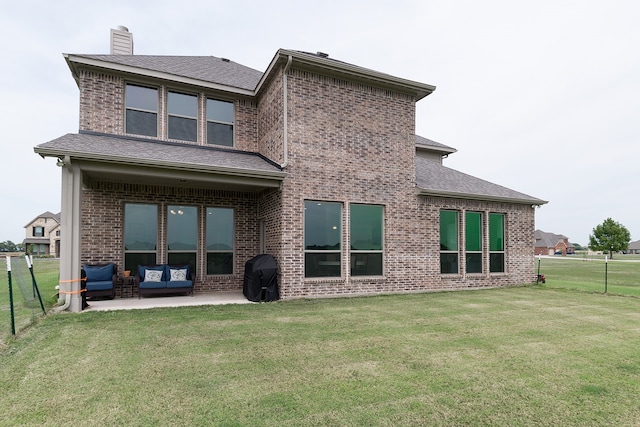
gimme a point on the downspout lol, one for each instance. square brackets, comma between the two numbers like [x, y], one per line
[285, 98]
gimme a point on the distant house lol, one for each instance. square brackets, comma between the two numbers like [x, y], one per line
[551, 243]
[634, 247]
[43, 235]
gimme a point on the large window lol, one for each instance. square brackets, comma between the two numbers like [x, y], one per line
[448, 242]
[182, 235]
[141, 113]
[496, 243]
[219, 122]
[473, 241]
[322, 239]
[140, 235]
[366, 240]
[219, 240]
[183, 116]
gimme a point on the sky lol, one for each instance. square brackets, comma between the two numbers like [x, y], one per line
[542, 97]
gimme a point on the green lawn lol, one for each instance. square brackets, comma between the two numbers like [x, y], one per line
[517, 356]
[588, 273]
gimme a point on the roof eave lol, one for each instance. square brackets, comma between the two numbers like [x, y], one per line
[481, 197]
[74, 60]
[119, 160]
[313, 61]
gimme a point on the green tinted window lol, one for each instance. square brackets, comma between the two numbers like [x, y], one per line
[448, 230]
[366, 227]
[496, 232]
[473, 231]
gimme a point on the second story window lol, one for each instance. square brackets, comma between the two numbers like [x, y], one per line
[183, 116]
[38, 231]
[141, 116]
[220, 122]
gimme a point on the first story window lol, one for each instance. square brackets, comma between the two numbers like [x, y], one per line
[140, 235]
[219, 240]
[448, 242]
[366, 237]
[473, 242]
[496, 243]
[141, 110]
[322, 239]
[182, 235]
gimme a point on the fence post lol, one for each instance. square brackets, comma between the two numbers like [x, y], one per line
[13, 320]
[606, 272]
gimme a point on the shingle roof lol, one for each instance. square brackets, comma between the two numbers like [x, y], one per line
[143, 151]
[634, 245]
[435, 179]
[206, 68]
[424, 142]
[547, 240]
[47, 214]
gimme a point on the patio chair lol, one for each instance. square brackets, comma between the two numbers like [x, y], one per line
[101, 279]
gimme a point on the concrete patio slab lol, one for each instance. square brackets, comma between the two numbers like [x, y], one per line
[214, 298]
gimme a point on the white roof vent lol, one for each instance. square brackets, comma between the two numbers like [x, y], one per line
[121, 41]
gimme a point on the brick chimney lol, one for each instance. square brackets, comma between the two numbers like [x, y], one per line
[121, 41]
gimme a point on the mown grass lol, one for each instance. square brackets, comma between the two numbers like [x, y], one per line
[517, 356]
[588, 274]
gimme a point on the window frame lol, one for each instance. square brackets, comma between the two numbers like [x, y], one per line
[475, 252]
[331, 255]
[497, 252]
[367, 253]
[127, 108]
[446, 252]
[208, 252]
[174, 209]
[182, 117]
[219, 122]
[38, 231]
[152, 252]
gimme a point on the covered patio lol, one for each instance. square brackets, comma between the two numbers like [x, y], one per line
[211, 298]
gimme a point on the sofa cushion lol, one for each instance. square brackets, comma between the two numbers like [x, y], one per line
[153, 276]
[142, 269]
[98, 273]
[101, 285]
[179, 284]
[153, 285]
[177, 274]
[168, 268]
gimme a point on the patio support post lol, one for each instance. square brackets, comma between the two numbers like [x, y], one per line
[70, 239]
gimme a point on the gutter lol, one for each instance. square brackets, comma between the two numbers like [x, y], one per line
[480, 197]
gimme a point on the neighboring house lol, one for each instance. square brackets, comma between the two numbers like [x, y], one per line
[201, 160]
[634, 247]
[550, 243]
[43, 235]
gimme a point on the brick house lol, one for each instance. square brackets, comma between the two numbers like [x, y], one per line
[551, 243]
[42, 235]
[204, 161]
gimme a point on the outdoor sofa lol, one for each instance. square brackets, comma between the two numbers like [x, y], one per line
[164, 279]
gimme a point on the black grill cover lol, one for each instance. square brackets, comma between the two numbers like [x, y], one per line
[261, 279]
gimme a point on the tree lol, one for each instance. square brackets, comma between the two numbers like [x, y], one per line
[610, 236]
[8, 246]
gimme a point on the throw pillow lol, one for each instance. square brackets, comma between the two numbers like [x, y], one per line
[178, 275]
[152, 276]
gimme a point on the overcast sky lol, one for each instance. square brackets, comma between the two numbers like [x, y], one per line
[541, 96]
